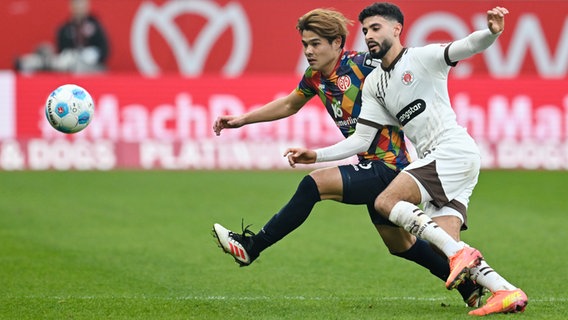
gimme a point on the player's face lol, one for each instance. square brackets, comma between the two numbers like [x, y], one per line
[379, 35]
[321, 55]
[79, 8]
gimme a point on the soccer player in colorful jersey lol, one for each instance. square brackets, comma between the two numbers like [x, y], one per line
[410, 90]
[336, 76]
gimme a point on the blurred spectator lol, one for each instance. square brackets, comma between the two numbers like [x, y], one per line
[82, 45]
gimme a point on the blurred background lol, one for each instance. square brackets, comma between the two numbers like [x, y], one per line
[161, 71]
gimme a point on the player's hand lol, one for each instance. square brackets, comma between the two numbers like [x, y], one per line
[300, 155]
[223, 122]
[496, 19]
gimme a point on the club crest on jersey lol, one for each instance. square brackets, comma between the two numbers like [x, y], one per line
[343, 83]
[407, 78]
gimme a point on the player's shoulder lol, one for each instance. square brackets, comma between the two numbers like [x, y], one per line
[431, 55]
[428, 49]
[373, 78]
[360, 58]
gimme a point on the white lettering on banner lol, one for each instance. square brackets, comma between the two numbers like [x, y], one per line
[186, 120]
[224, 104]
[7, 105]
[512, 119]
[191, 60]
[509, 123]
[514, 131]
[62, 154]
[209, 154]
[11, 155]
[133, 123]
[532, 155]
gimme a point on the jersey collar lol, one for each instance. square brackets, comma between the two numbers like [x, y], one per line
[391, 66]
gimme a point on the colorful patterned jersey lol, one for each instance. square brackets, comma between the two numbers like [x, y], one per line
[341, 95]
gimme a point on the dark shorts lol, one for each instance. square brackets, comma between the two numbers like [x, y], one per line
[363, 182]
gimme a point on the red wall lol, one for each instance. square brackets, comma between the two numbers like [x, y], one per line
[260, 35]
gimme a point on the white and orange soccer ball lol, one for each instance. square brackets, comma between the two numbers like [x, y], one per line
[69, 108]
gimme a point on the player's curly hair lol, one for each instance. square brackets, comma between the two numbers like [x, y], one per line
[386, 10]
[327, 23]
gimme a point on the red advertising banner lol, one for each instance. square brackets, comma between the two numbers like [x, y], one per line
[238, 37]
[166, 123]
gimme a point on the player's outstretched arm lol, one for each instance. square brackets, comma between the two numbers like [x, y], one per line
[358, 142]
[274, 110]
[481, 39]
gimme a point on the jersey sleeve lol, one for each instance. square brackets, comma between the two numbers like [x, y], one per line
[359, 141]
[305, 87]
[474, 43]
[434, 58]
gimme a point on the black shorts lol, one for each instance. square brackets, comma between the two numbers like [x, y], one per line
[363, 182]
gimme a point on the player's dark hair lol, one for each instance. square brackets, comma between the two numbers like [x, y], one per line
[386, 10]
[326, 23]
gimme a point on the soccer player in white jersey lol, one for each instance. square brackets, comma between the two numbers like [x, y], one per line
[410, 90]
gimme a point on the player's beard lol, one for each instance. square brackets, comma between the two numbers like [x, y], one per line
[385, 47]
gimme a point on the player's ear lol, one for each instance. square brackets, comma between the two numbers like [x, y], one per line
[397, 29]
[337, 42]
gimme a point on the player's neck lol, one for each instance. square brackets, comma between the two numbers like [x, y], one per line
[391, 56]
[330, 69]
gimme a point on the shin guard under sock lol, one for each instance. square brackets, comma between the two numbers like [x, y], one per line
[291, 216]
[423, 254]
[413, 220]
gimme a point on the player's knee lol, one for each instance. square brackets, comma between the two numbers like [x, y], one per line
[329, 183]
[308, 185]
[382, 205]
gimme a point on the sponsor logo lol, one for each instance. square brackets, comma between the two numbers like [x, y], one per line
[346, 122]
[410, 111]
[191, 58]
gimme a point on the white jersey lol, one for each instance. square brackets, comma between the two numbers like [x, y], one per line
[413, 93]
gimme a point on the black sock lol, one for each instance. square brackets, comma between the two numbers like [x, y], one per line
[291, 216]
[423, 254]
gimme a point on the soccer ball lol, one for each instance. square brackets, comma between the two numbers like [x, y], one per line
[69, 108]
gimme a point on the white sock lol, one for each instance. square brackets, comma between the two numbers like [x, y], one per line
[487, 277]
[415, 221]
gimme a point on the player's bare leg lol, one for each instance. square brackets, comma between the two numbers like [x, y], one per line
[465, 261]
[397, 203]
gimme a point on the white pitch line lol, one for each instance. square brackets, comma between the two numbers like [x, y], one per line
[265, 298]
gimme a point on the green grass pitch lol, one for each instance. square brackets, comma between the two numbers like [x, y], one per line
[137, 245]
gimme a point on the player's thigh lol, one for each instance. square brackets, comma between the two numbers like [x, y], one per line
[445, 174]
[329, 183]
[363, 182]
[456, 208]
[402, 188]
